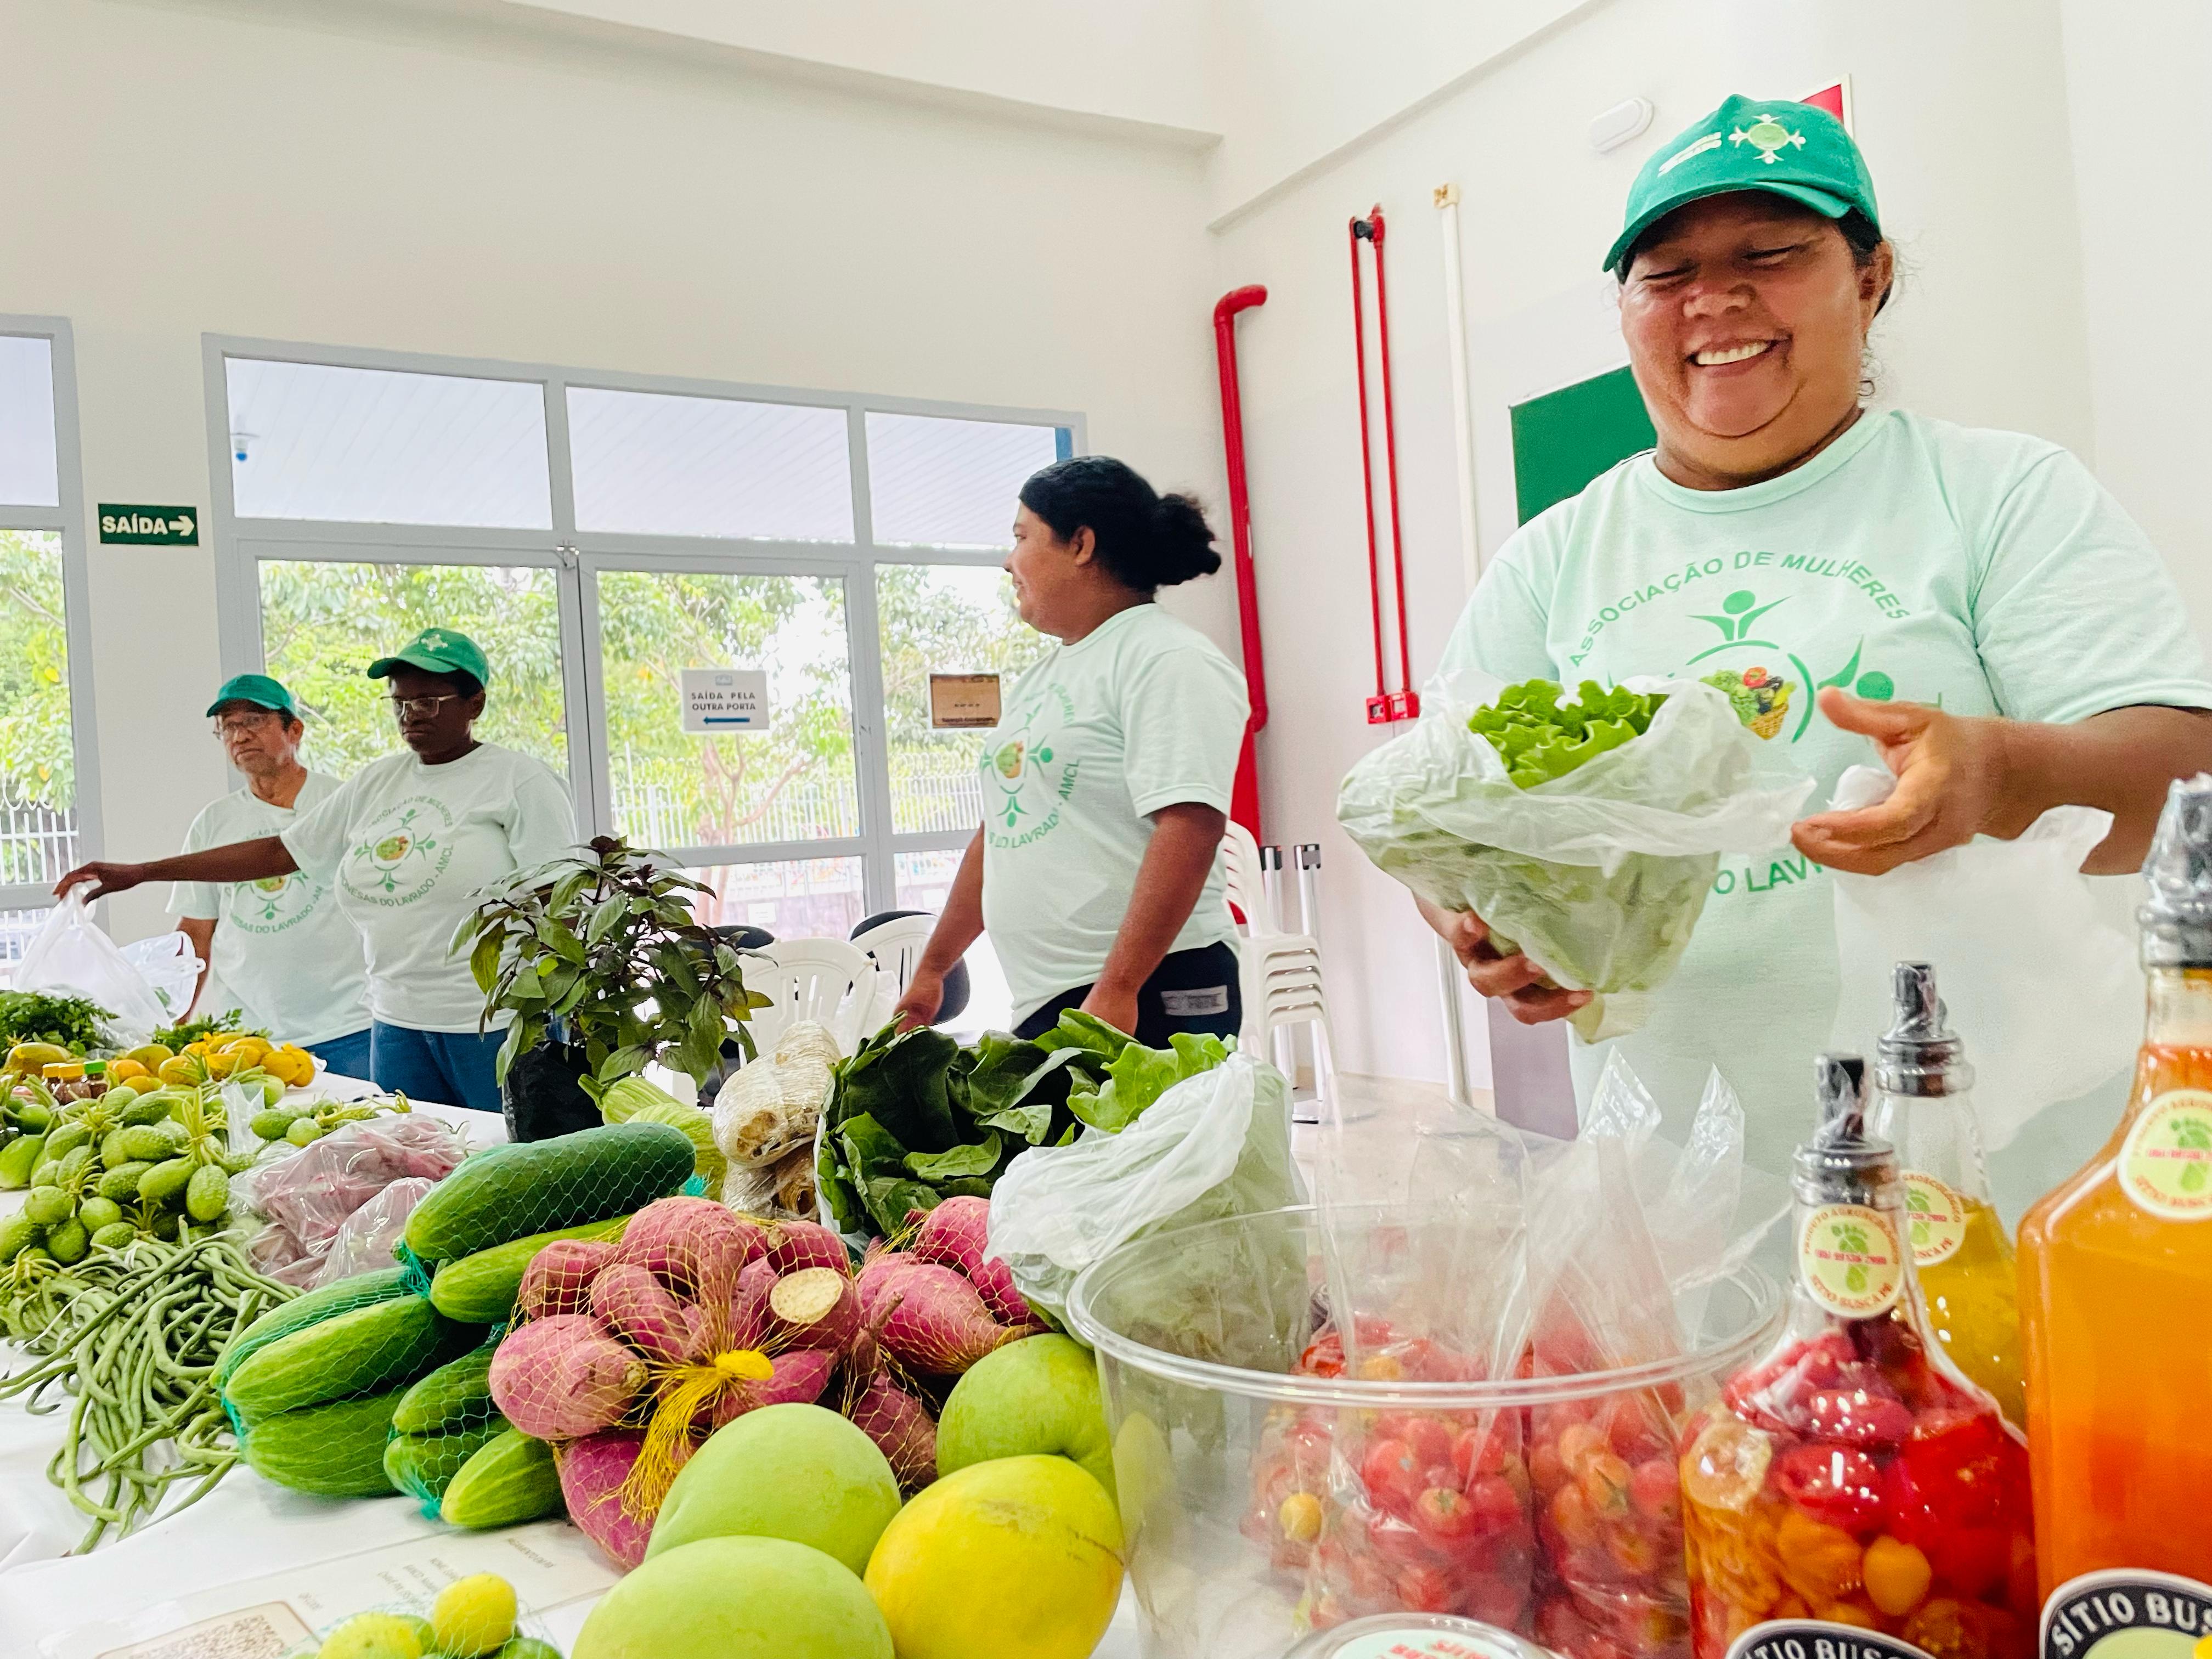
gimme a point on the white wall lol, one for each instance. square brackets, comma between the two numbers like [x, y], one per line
[2135, 83]
[1958, 108]
[179, 172]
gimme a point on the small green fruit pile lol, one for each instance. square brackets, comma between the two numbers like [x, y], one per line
[113, 1168]
[310, 1120]
[473, 1618]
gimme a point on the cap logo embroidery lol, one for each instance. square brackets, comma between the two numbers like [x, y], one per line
[1767, 135]
[1711, 141]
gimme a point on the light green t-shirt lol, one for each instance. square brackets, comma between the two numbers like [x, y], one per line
[1985, 572]
[282, 953]
[408, 848]
[1142, 712]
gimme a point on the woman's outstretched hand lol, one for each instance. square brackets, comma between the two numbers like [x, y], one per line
[1950, 776]
[106, 879]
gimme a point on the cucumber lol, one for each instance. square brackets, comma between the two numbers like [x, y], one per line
[111, 1148]
[147, 1108]
[17, 1234]
[165, 1180]
[335, 1450]
[356, 1352]
[508, 1191]
[360, 1290]
[114, 1236]
[98, 1213]
[456, 1395]
[121, 1180]
[69, 1241]
[75, 1162]
[19, 1158]
[151, 1143]
[510, 1479]
[207, 1194]
[32, 1117]
[49, 1206]
[271, 1122]
[480, 1289]
[424, 1465]
[66, 1140]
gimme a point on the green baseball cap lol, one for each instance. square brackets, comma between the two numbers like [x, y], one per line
[1796, 150]
[437, 651]
[256, 688]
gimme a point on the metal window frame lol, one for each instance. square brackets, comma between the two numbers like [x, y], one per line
[580, 558]
[67, 521]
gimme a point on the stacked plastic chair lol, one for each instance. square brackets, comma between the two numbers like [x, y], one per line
[1279, 975]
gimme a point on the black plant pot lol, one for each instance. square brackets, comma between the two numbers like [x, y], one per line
[542, 1097]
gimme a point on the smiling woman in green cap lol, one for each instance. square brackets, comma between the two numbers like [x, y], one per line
[1970, 606]
[408, 842]
[278, 948]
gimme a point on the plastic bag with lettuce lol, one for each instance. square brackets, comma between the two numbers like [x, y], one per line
[1583, 827]
[914, 1118]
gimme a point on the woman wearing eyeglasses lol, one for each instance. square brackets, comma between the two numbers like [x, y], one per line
[408, 843]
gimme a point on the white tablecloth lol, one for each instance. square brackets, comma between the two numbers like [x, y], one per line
[245, 1530]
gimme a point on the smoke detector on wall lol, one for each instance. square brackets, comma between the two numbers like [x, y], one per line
[241, 445]
[1620, 124]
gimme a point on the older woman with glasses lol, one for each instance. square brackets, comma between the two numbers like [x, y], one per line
[408, 843]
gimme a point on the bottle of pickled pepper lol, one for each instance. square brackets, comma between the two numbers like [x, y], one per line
[1852, 1487]
[2115, 1287]
[1924, 1107]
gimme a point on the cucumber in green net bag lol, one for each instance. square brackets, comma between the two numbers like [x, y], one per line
[1584, 827]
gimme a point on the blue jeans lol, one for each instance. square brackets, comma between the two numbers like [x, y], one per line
[453, 1069]
[346, 1055]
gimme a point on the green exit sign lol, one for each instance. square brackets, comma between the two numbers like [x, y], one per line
[150, 527]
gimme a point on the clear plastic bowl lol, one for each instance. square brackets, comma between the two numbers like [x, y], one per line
[1198, 1331]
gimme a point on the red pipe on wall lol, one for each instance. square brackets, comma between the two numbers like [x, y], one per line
[1244, 800]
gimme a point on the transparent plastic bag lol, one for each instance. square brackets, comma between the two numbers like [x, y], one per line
[170, 969]
[307, 1197]
[71, 955]
[2045, 990]
[1213, 1145]
[364, 1239]
[1599, 876]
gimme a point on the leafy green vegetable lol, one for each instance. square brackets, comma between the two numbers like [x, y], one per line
[194, 1031]
[913, 1118]
[73, 1023]
[1541, 738]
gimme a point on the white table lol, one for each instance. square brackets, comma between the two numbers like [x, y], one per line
[247, 1529]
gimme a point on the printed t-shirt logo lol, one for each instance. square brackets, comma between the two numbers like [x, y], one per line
[1762, 696]
[1028, 776]
[274, 904]
[403, 853]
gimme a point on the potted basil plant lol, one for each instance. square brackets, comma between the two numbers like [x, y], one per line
[599, 960]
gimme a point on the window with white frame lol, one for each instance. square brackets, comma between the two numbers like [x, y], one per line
[48, 817]
[602, 535]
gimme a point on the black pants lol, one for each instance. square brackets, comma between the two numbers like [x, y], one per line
[1193, 991]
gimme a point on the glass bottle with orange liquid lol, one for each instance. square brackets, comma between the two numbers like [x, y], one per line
[2116, 1303]
[1924, 1107]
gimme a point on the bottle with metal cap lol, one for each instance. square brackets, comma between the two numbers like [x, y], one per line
[1851, 1491]
[1924, 1107]
[2116, 1281]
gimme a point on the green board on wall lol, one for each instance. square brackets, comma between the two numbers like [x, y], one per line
[1564, 439]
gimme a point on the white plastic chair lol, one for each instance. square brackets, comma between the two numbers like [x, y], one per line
[895, 947]
[1278, 975]
[825, 980]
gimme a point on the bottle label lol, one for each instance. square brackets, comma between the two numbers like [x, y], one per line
[1934, 1218]
[1849, 1260]
[1816, 1638]
[2166, 1162]
[2098, 1610]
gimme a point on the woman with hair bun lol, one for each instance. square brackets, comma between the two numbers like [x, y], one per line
[1106, 784]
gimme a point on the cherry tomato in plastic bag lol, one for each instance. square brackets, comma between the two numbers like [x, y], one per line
[1393, 1477]
[1443, 1515]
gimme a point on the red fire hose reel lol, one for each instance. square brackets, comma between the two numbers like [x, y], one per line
[1386, 706]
